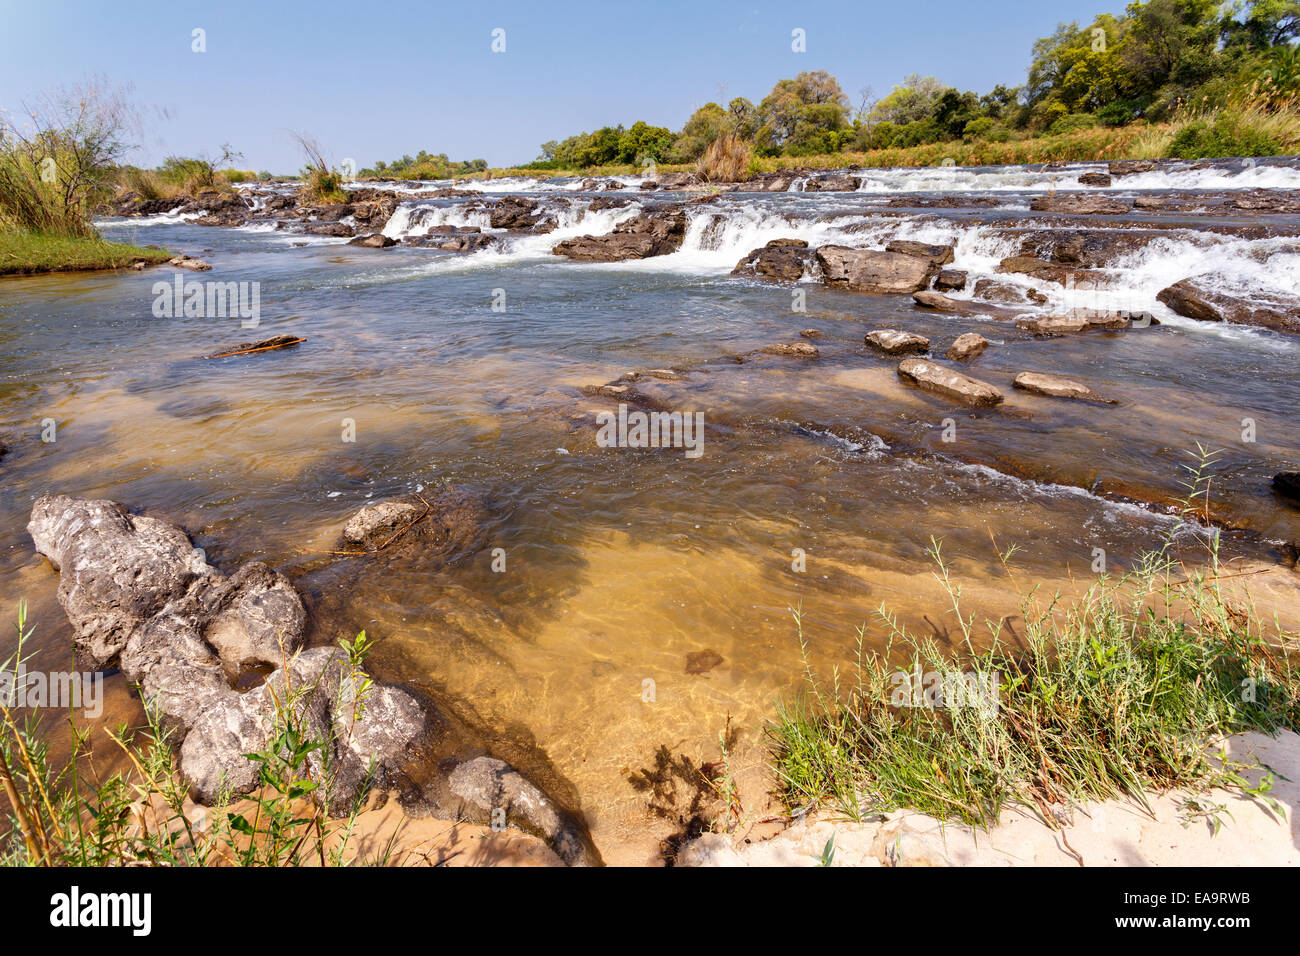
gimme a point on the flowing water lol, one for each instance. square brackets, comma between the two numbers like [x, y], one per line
[822, 484]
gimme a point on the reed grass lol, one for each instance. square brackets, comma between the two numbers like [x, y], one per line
[1121, 692]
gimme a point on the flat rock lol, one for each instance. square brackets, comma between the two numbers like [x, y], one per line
[1078, 320]
[895, 342]
[795, 349]
[948, 383]
[937, 255]
[943, 303]
[1054, 386]
[1080, 204]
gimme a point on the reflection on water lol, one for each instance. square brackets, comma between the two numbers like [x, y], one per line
[622, 566]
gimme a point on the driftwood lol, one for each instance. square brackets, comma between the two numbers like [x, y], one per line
[246, 348]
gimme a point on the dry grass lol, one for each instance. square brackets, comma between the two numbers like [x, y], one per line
[727, 160]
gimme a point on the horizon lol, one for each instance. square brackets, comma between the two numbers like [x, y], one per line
[235, 91]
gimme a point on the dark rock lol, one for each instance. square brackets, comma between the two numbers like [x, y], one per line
[514, 212]
[650, 234]
[950, 280]
[375, 241]
[701, 662]
[836, 182]
[1095, 179]
[1194, 301]
[1287, 483]
[781, 259]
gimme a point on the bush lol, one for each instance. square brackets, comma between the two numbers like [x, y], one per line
[979, 128]
[1228, 134]
[1071, 122]
[727, 160]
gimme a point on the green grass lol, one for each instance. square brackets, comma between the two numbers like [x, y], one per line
[71, 815]
[1119, 693]
[28, 253]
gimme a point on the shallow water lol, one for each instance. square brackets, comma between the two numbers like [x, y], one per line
[620, 562]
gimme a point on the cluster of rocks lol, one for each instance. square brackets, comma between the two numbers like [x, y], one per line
[141, 597]
[653, 233]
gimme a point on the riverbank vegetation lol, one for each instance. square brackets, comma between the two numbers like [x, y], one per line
[1168, 78]
[1122, 692]
[55, 169]
[68, 813]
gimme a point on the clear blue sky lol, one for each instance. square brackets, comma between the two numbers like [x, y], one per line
[374, 81]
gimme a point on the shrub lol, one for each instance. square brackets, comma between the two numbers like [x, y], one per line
[1071, 122]
[727, 160]
[1224, 134]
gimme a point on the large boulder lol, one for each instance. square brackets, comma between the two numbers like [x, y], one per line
[875, 271]
[1195, 301]
[932, 377]
[832, 183]
[650, 234]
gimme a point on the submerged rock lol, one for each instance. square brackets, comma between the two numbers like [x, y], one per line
[874, 271]
[948, 383]
[895, 342]
[942, 303]
[1054, 386]
[447, 523]
[1287, 483]
[795, 349]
